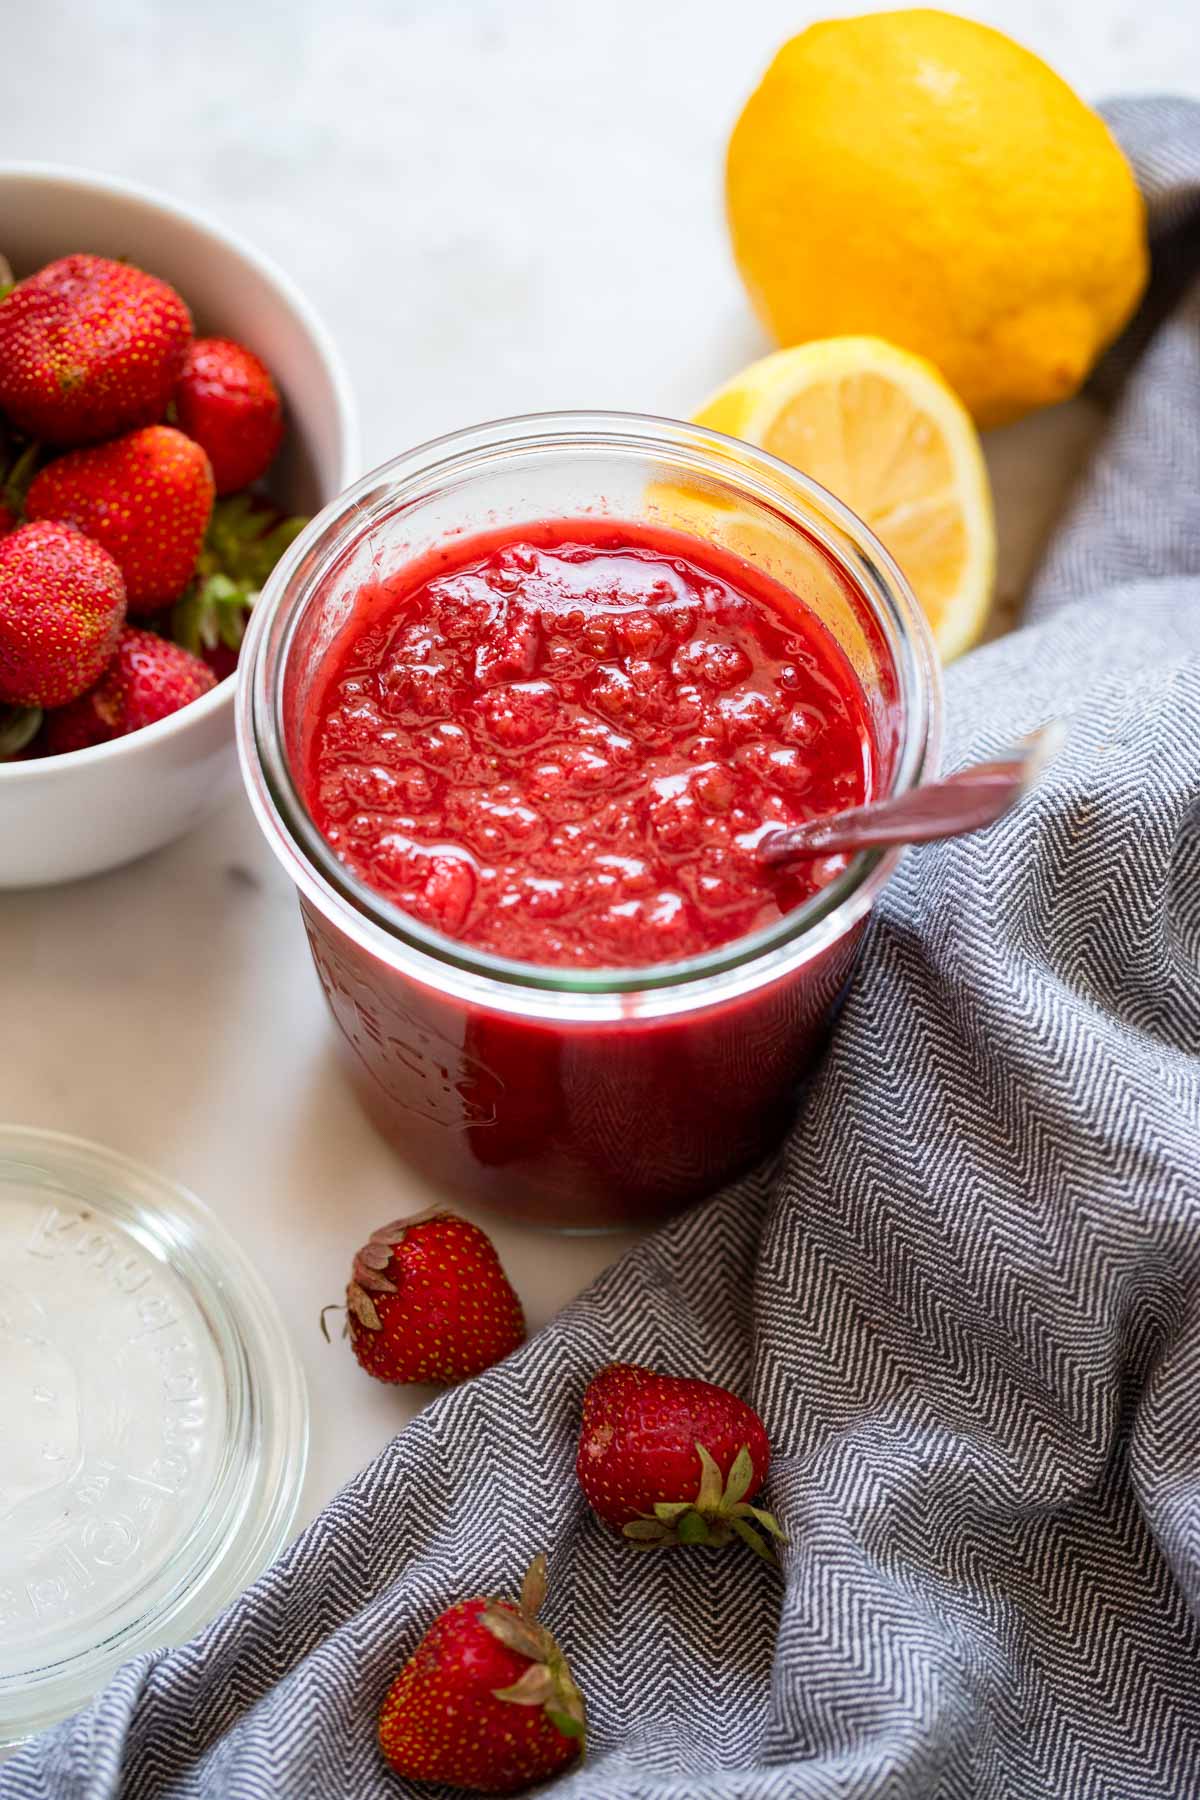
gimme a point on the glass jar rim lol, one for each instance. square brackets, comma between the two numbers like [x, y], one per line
[556, 992]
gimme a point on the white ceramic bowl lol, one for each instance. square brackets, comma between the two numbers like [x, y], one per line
[66, 816]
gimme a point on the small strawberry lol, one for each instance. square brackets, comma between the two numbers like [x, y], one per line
[228, 402]
[486, 1700]
[429, 1301]
[88, 348]
[62, 605]
[146, 497]
[148, 679]
[667, 1460]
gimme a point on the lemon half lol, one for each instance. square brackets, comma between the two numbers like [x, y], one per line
[882, 431]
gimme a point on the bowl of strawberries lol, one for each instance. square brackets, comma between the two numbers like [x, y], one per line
[171, 414]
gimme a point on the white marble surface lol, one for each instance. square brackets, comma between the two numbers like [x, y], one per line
[498, 205]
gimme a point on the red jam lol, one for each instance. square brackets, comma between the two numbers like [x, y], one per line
[563, 743]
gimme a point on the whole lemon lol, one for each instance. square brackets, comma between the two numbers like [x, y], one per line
[922, 178]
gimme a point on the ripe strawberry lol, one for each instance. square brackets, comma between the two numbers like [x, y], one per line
[147, 679]
[88, 348]
[146, 497]
[429, 1301]
[667, 1460]
[486, 1701]
[228, 402]
[62, 605]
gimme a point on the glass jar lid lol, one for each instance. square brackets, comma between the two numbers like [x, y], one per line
[153, 1421]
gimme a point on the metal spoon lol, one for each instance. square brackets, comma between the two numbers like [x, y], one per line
[965, 802]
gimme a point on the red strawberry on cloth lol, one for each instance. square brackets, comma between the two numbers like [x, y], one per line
[666, 1460]
[228, 401]
[148, 679]
[147, 497]
[89, 348]
[429, 1301]
[62, 605]
[486, 1701]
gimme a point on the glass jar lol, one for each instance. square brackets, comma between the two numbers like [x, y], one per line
[580, 1099]
[155, 1421]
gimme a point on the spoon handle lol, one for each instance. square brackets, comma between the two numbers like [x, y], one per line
[961, 803]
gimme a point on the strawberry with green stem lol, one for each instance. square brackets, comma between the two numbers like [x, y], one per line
[428, 1301]
[246, 537]
[665, 1460]
[486, 1701]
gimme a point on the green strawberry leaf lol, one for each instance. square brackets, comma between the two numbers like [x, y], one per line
[669, 1510]
[765, 1519]
[533, 1588]
[758, 1544]
[19, 725]
[712, 1482]
[514, 1632]
[645, 1531]
[533, 1689]
[212, 611]
[15, 484]
[741, 1474]
[572, 1728]
[692, 1529]
[244, 541]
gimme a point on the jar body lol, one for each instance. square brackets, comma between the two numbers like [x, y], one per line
[579, 1098]
[576, 1125]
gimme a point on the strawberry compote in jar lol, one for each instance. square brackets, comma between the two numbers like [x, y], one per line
[517, 712]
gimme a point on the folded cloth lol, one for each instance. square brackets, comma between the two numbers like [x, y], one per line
[966, 1301]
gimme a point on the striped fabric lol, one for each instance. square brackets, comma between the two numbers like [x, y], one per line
[966, 1300]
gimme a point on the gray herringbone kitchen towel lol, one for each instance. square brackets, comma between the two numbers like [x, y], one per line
[967, 1302]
